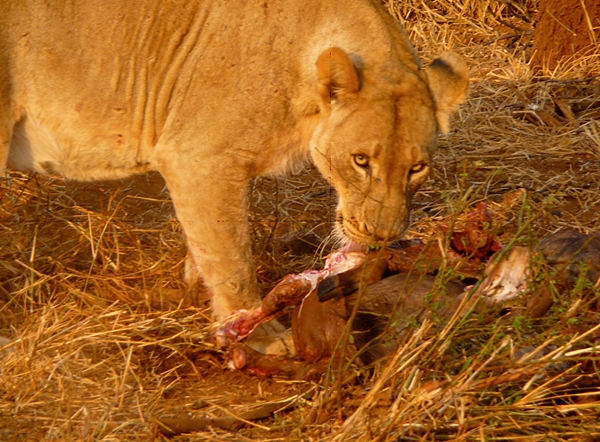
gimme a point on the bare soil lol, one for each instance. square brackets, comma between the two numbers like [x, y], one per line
[565, 28]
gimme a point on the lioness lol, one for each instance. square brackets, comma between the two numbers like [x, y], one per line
[214, 93]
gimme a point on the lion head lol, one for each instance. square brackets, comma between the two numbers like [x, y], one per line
[377, 136]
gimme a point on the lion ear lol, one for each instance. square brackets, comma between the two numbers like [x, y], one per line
[338, 79]
[448, 77]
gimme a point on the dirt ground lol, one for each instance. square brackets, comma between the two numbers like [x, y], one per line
[564, 28]
[103, 338]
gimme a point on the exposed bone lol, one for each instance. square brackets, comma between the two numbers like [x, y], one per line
[506, 275]
[572, 255]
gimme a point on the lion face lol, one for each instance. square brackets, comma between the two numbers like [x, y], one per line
[376, 163]
[376, 141]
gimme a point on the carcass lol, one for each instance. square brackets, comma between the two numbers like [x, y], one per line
[324, 300]
[351, 268]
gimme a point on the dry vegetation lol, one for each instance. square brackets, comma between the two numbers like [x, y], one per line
[99, 338]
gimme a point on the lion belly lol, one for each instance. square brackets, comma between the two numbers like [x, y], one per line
[36, 147]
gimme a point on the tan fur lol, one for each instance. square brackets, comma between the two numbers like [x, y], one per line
[214, 93]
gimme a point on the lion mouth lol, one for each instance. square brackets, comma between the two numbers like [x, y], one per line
[347, 230]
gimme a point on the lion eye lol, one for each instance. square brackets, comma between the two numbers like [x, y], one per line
[361, 160]
[417, 168]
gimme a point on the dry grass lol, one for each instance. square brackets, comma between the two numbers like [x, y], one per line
[101, 338]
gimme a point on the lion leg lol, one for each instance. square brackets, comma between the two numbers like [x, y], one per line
[226, 269]
[211, 207]
[212, 210]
